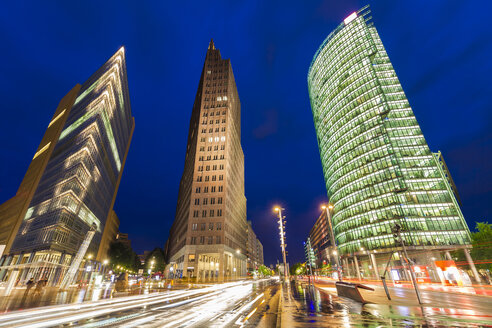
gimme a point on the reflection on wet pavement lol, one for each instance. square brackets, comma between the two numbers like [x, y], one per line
[19, 299]
[315, 308]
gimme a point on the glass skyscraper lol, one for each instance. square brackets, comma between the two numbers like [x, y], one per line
[71, 184]
[377, 165]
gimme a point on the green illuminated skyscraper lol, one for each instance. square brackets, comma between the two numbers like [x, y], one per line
[377, 166]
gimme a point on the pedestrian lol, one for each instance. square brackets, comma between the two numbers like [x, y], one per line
[29, 285]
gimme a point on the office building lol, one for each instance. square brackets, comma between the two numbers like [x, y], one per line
[378, 168]
[208, 237]
[320, 241]
[64, 205]
[254, 250]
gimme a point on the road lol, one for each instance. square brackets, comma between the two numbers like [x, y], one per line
[235, 304]
[262, 303]
[322, 305]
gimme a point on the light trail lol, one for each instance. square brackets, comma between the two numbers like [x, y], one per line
[221, 303]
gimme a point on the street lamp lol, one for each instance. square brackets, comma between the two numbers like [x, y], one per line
[282, 240]
[328, 208]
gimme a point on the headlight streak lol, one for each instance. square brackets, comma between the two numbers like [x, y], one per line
[107, 309]
[223, 302]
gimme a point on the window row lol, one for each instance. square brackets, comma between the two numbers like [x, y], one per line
[201, 240]
[207, 168]
[203, 226]
[205, 201]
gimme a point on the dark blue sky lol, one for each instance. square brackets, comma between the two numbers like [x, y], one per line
[441, 51]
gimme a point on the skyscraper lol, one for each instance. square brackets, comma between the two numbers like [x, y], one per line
[377, 165]
[208, 237]
[71, 184]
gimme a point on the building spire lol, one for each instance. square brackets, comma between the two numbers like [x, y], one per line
[211, 45]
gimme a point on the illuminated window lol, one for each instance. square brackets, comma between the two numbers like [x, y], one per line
[39, 152]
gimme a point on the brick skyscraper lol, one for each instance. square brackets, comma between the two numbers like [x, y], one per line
[209, 234]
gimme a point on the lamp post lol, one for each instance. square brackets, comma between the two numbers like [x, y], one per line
[282, 240]
[328, 208]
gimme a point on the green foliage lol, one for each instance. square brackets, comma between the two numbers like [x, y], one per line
[298, 269]
[325, 269]
[482, 246]
[264, 271]
[122, 255]
[159, 259]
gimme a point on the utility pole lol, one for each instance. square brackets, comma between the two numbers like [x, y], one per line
[397, 234]
[282, 240]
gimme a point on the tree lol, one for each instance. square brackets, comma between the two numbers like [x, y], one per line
[326, 269]
[122, 255]
[158, 257]
[264, 271]
[298, 269]
[481, 252]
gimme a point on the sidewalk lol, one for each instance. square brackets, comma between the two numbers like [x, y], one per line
[485, 290]
[319, 305]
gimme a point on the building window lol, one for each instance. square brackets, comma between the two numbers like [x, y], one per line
[210, 130]
[197, 201]
[219, 212]
[204, 213]
[221, 188]
[191, 257]
[206, 178]
[221, 156]
[214, 177]
[210, 240]
[207, 168]
[202, 139]
[221, 177]
[202, 226]
[200, 168]
[213, 189]
[222, 147]
[210, 226]
[219, 225]
[202, 148]
[211, 213]
[205, 201]
[205, 189]
[199, 179]
[202, 240]
[219, 200]
[197, 190]
[195, 213]
[216, 148]
[193, 241]
[223, 120]
[223, 129]
[194, 226]
[209, 157]
[214, 167]
[217, 240]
